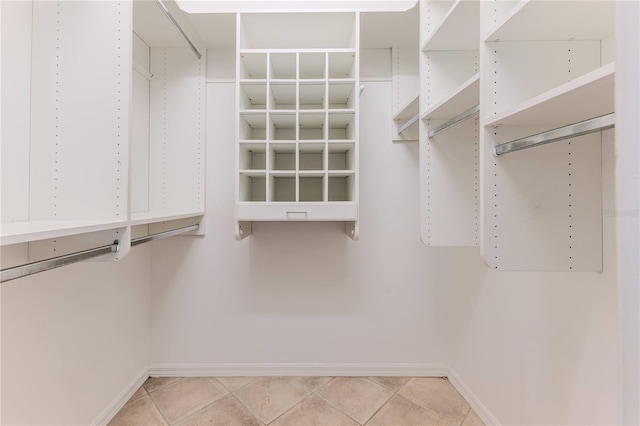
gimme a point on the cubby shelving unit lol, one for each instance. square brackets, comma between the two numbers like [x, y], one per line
[449, 136]
[546, 66]
[297, 119]
[97, 150]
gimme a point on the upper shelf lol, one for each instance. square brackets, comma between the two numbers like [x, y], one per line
[409, 110]
[466, 96]
[313, 30]
[459, 30]
[556, 20]
[22, 232]
[588, 96]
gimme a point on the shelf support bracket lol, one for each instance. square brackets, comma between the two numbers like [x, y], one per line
[471, 112]
[352, 229]
[567, 132]
[243, 230]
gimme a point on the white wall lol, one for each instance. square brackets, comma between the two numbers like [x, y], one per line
[73, 340]
[304, 292]
[628, 203]
[542, 348]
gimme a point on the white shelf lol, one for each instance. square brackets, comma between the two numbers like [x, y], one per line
[466, 96]
[556, 20]
[22, 232]
[459, 30]
[144, 218]
[588, 96]
[409, 110]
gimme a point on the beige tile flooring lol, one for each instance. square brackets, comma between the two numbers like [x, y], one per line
[296, 401]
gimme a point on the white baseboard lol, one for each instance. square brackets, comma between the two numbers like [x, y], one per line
[311, 369]
[124, 396]
[477, 405]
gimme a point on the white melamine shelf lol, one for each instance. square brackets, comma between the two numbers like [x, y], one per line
[466, 96]
[150, 217]
[22, 232]
[556, 20]
[409, 110]
[459, 29]
[588, 96]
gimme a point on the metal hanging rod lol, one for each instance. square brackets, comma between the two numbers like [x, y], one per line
[471, 112]
[408, 123]
[571, 131]
[179, 28]
[67, 259]
[163, 235]
[56, 262]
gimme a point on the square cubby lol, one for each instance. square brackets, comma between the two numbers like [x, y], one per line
[282, 156]
[253, 66]
[342, 95]
[282, 187]
[311, 156]
[312, 65]
[253, 156]
[312, 95]
[341, 126]
[253, 186]
[283, 96]
[253, 95]
[342, 64]
[253, 125]
[283, 66]
[282, 126]
[341, 187]
[341, 156]
[311, 187]
[312, 125]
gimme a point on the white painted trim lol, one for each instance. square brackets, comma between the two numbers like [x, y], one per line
[116, 405]
[483, 412]
[319, 369]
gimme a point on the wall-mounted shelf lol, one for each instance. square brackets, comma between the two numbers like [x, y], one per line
[408, 115]
[569, 103]
[21, 232]
[458, 30]
[461, 99]
[555, 20]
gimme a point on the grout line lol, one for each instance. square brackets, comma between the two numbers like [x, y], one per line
[207, 405]
[466, 415]
[246, 407]
[429, 409]
[387, 401]
[289, 409]
[159, 410]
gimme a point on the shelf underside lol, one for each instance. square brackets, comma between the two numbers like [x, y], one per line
[459, 29]
[466, 96]
[556, 20]
[588, 96]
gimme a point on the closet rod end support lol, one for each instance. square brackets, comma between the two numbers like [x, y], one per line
[243, 230]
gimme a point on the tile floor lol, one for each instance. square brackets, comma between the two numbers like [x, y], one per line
[296, 401]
